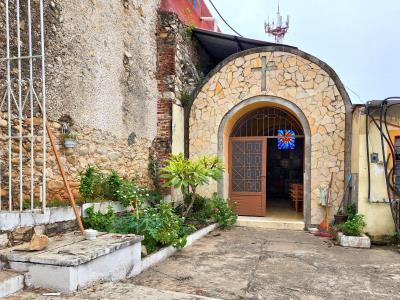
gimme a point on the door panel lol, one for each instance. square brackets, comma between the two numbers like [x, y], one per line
[247, 168]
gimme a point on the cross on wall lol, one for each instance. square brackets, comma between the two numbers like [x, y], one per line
[265, 67]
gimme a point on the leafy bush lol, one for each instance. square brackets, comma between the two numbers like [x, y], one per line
[187, 175]
[353, 226]
[159, 225]
[222, 213]
[113, 184]
[91, 183]
[98, 220]
[351, 211]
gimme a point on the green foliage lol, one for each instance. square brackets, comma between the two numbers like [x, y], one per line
[188, 174]
[113, 184]
[206, 211]
[69, 136]
[189, 32]
[351, 211]
[99, 221]
[159, 225]
[154, 170]
[222, 213]
[91, 183]
[353, 226]
[185, 99]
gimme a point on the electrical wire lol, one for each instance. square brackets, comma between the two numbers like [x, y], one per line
[222, 18]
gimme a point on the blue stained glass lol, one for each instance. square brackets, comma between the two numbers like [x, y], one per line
[286, 139]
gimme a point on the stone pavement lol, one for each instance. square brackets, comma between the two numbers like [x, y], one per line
[250, 263]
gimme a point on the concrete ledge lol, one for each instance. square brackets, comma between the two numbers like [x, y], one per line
[10, 283]
[269, 223]
[166, 252]
[72, 262]
[354, 241]
[13, 220]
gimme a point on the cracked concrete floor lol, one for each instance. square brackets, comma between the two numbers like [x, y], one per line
[249, 263]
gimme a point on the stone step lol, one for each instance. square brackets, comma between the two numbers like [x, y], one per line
[10, 282]
[270, 223]
[74, 262]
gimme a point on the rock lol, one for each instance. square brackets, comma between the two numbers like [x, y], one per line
[3, 123]
[144, 250]
[3, 240]
[113, 155]
[83, 151]
[38, 242]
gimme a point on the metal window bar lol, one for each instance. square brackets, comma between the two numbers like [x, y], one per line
[21, 137]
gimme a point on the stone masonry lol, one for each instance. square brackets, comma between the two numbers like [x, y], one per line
[295, 79]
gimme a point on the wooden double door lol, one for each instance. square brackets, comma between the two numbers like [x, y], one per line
[247, 169]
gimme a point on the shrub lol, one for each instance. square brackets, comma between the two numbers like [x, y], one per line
[353, 226]
[351, 211]
[187, 175]
[91, 183]
[98, 220]
[159, 225]
[222, 213]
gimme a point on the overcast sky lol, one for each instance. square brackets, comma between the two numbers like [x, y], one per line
[359, 39]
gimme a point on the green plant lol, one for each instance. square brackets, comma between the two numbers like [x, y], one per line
[189, 32]
[113, 184]
[353, 226]
[222, 212]
[69, 136]
[351, 210]
[185, 99]
[91, 183]
[159, 225]
[187, 175]
[154, 170]
[98, 220]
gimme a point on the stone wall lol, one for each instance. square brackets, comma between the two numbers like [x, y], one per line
[293, 78]
[100, 76]
[181, 64]
[94, 147]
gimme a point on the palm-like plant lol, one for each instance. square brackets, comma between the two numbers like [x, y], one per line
[187, 175]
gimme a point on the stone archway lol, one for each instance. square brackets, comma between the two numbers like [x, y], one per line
[230, 118]
[300, 81]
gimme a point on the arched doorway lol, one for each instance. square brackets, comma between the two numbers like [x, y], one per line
[266, 164]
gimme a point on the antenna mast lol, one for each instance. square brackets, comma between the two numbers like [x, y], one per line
[278, 29]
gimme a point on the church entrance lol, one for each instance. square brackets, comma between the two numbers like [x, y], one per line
[266, 165]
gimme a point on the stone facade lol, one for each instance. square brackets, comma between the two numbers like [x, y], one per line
[181, 64]
[293, 78]
[94, 147]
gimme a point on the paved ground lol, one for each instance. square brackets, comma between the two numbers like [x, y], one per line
[247, 263]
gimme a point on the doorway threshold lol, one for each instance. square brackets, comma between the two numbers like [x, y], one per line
[270, 223]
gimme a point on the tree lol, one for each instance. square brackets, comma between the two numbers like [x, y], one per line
[187, 175]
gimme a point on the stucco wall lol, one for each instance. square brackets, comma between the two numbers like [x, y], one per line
[376, 209]
[101, 64]
[296, 79]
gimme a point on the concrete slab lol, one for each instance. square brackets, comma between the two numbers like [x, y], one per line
[269, 223]
[10, 282]
[74, 262]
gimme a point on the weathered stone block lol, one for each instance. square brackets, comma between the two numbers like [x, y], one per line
[354, 241]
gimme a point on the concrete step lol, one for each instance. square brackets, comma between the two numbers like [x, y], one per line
[10, 282]
[270, 223]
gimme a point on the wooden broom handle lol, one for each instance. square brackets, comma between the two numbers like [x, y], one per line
[66, 183]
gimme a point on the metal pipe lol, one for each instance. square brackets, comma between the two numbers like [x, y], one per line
[9, 107]
[367, 141]
[44, 115]
[20, 106]
[31, 99]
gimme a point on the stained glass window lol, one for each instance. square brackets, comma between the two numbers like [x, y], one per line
[286, 139]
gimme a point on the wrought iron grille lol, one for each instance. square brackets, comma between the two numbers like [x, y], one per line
[266, 121]
[247, 166]
[22, 105]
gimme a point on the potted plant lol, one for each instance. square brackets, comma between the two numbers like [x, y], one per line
[351, 233]
[340, 217]
[69, 139]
